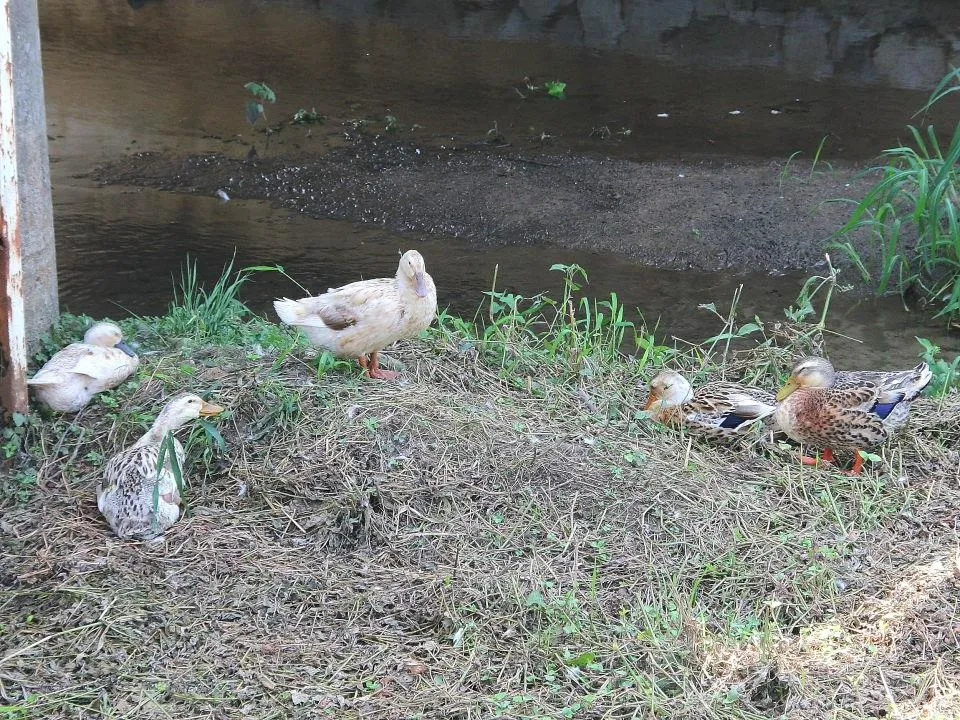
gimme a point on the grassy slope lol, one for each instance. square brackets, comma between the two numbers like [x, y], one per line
[496, 535]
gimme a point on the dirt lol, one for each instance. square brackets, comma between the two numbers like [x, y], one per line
[701, 214]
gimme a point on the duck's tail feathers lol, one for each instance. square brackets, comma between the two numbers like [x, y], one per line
[289, 311]
[923, 377]
[46, 378]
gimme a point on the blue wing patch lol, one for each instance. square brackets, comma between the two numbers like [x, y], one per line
[884, 409]
[732, 421]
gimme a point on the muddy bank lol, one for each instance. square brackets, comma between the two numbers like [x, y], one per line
[704, 214]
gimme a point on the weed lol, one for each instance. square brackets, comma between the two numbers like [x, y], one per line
[910, 217]
[946, 375]
[494, 136]
[556, 89]
[261, 93]
[213, 315]
[391, 124]
[785, 170]
[552, 88]
[308, 117]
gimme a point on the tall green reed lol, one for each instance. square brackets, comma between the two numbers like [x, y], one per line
[911, 218]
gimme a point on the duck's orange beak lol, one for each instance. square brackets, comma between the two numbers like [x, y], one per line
[207, 409]
[420, 284]
[788, 387]
[651, 399]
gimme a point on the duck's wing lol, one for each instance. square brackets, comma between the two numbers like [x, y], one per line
[345, 306]
[838, 418]
[81, 359]
[893, 386]
[729, 406]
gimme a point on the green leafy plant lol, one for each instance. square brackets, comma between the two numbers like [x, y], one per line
[307, 117]
[553, 88]
[556, 89]
[261, 93]
[946, 375]
[910, 216]
[167, 457]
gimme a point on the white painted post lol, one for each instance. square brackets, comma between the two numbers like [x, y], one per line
[13, 341]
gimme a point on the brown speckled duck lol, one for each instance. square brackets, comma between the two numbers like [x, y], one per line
[719, 411]
[852, 411]
[360, 319]
[131, 479]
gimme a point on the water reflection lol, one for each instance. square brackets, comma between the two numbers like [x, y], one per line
[902, 44]
[158, 230]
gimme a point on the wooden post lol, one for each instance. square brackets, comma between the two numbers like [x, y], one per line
[13, 340]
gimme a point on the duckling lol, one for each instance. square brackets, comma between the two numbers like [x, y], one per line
[718, 411]
[69, 379]
[854, 410]
[360, 319]
[131, 479]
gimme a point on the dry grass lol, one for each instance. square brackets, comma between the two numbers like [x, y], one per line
[449, 547]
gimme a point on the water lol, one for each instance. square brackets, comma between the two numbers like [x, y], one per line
[168, 76]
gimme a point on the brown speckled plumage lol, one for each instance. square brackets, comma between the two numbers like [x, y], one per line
[131, 479]
[846, 410]
[720, 412]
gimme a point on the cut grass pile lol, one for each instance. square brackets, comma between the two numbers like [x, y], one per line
[493, 536]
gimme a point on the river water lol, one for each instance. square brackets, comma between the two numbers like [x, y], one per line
[167, 76]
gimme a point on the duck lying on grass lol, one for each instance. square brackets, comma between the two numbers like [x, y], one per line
[845, 410]
[139, 501]
[718, 411]
[69, 379]
[360, 319]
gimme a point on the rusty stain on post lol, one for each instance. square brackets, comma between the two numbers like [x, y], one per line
[13, 341]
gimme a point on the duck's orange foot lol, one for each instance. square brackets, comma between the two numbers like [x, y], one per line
[374, 370]
[381, 374]
[807, 460]
[857, 464]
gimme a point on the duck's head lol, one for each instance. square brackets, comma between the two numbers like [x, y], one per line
[668, 389]
[107, 335]
[183, 409]
[413, 272]
[809, 372]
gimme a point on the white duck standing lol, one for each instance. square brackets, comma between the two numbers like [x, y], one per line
[362, 318]
[132, 482]
[69, 379]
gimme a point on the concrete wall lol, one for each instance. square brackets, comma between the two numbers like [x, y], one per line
[36, 212]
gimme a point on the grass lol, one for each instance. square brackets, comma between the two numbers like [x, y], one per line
[910, 217]
[501, 534]
[785, 172]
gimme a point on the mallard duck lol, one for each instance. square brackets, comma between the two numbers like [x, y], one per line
[718, 411]
[362, 318]
[131, 479]
[845, 410]
[69, 379]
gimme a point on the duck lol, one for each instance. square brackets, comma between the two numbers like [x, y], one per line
[847, 410]
[360, 319]
[138, 501]
[70, 379]
[718, 411]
